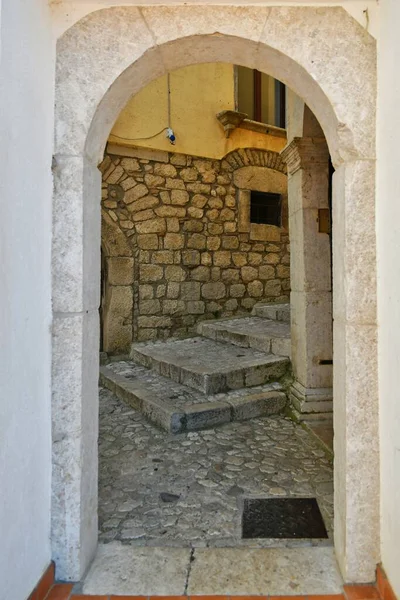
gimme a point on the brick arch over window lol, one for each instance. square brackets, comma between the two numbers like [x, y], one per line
[327, 59]
[254, 157]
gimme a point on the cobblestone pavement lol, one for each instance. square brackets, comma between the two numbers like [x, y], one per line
[158, 489]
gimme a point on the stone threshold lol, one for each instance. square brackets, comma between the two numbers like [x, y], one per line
[177, 408]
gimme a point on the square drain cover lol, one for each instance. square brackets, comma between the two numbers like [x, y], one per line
[282, 518]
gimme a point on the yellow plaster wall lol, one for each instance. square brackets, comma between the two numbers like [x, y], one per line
[197, 94]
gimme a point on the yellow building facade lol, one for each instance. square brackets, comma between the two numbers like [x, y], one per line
[187, 100]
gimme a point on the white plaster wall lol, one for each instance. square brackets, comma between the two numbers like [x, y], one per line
[388, 238]
[26, 133]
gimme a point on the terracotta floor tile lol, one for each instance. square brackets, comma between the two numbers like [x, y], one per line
[85, 597]
[361, 592]
[160, 598]
[381, 581]
[60, 591]
[327, 597]
[208, 597]
[246, 597]
[288, 597]
[45, 583]
[136, 597]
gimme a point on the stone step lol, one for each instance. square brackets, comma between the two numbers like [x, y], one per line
[250, 332]
[276, 312]
[177, 408]
[209, 366]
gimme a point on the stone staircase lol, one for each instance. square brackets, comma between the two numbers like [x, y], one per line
[232, 371]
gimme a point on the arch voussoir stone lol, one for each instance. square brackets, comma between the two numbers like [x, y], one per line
[325, 57]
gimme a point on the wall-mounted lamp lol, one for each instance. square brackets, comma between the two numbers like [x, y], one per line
[171, 135]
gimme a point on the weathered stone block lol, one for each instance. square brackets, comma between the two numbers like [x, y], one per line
[199, 200]
[160, 291]
[206, 258]
[215, 203]
[201, 273]
[215, 273]
[144, 321]
[213, 291]
[150, 273]
[174, 307]
[143, 215]
[190, 290]
[213, 214]
[237, 290]
[195, 213]
[267, 233]
[272, 259]
[130, 165]
[165, 170]
[273, 287]
[173, 224]
[222, 258]
[215, 228]
[190, 258]
[282, 271]
[195, 307]
[248, 274]
[170, 211]
[179, 197]
[197, 241]
[213, 242]
[231, 304]
[174, 273]
[173, 290]
[163, 257]
[255, 289]
[230, 242]
[189, 174]
[239, 259]
[230, 276]
[146, 292]
[255, 258]
[198, 188]
[148, 241]
[120, 270]
[153, 226]
[248, 303]
[266, 272]
[174, 184]
[153, 181]
[149, 307]
[135, 193]
[174, 241]
[193, 226]
[227, 214]
[178, 159]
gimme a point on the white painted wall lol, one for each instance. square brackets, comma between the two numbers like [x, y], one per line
[388, 235]
[26, 132]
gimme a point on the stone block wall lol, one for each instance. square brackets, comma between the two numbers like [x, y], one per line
[195, 253]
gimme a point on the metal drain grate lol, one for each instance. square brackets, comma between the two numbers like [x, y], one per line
[282, 518]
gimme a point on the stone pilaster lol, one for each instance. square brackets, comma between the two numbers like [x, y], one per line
[307, 161]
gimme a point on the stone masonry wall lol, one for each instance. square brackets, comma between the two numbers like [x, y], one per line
[194, 255]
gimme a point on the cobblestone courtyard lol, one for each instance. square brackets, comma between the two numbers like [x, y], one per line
[158, 489]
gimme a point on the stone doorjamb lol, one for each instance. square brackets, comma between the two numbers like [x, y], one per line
[307, 162]
[328, 59]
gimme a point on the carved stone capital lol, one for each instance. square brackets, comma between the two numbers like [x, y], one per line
[304, 153]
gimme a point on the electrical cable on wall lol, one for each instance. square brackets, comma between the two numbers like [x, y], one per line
[168, 129]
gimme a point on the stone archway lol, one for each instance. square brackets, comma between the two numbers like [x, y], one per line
[329, 61]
